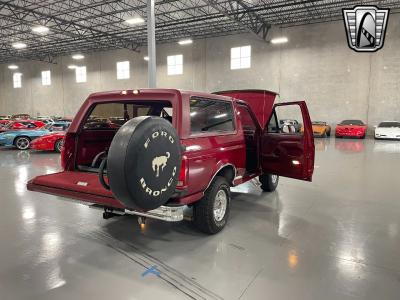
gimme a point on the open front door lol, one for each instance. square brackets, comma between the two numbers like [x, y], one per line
[287, 143]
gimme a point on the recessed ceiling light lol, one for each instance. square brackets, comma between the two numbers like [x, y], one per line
[71, 67]
[40, 29]
[78, 56]
[279, 40]
[135, 20]
[19, 45]
[13, 67]
[146, 58]
[185, 42]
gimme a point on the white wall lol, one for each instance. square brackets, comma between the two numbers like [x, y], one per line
[316, 65]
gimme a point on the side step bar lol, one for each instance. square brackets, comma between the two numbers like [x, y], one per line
[164, 213]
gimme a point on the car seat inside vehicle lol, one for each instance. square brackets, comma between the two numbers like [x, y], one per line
[101, 125]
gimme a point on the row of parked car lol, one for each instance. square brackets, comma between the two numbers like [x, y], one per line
[40, 133]
[350, 128]
[44, 133]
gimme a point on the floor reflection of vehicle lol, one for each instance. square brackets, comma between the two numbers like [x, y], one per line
[387, 147]
[321, 144]
[349, 146]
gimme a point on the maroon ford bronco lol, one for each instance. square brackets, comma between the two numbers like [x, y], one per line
[178, 148]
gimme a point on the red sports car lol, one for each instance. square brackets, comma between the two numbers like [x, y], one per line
[23, 124]
[351, 128]
[4, 122]
[50, 142]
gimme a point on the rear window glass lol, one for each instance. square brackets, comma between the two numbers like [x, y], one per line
[389, 124]
[352, 122]
[207, 115]
[114, 115]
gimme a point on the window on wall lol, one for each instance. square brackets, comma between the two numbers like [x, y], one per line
[240, 57]
[17, 80]
[46, 78]
[123, 71]
[80, 73]
[175, 64]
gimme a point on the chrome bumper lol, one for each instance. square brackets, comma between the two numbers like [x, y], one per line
[164, 213]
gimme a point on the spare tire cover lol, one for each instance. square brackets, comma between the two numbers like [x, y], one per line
[143, 162]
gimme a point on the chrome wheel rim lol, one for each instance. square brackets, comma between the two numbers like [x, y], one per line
[220, 204]
[23, 143]
[59, 146]
[274, 178]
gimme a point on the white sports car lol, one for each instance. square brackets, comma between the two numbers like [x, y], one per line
[388, 130]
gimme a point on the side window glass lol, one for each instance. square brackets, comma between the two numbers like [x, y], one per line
[290, 119]
[207, 115]
[272, 124]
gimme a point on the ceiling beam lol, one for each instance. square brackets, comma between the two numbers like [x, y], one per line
[242, 14]
[66, 27]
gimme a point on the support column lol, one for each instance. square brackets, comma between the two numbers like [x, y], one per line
[151, 44]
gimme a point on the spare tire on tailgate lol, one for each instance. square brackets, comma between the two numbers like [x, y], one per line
[143, 162]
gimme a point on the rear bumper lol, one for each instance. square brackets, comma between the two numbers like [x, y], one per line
[387, 137]
[350, 134]
[164, 213]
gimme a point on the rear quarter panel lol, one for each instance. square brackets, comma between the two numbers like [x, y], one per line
[207, 155]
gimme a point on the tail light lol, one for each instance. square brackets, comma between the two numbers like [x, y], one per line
[183, 174]
[67, 151]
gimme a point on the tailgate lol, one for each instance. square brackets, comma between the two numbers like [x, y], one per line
[80, 186]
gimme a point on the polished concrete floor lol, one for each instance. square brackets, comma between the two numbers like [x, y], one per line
[335, 238]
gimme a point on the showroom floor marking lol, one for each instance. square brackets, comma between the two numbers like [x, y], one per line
[170, 275]
[151, 270]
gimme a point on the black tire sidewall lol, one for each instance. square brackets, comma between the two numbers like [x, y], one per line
[57, 146]
[267, 184]
[203, 213]
[223, 185]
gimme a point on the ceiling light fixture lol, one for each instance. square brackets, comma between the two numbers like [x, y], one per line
[146, 58]
[279, 40]
[71, 67]
[40, 29]
[134, 21]
[78, 56]
[13, 67]
[19, 45]
[185, 42]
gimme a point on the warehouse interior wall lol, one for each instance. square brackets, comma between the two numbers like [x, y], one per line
[316, 65]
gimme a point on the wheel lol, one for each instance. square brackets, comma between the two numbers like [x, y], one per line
[210, 214]
[328, 133]
[22, 142]
[58, 145]
[269, 182]
[325, 135]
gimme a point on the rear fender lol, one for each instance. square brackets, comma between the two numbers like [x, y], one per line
[225, 169]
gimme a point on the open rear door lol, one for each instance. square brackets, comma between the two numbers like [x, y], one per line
[286, 149]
